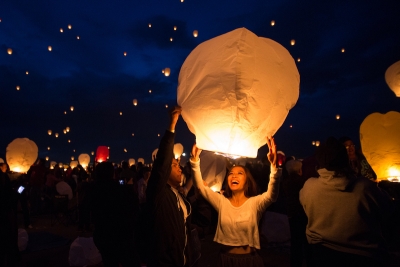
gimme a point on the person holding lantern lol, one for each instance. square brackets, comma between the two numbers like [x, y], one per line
[239, 209]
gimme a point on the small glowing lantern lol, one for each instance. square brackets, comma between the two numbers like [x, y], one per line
[65, 112]
[272, 22]
[48, 148]
[69, 26]
[64, 131]
[343, 50]
[73, 164]
[178, 150]
[84, 160]
[49, 132]
[280, 158]
[102, 153]
[52, 164]
[337, 116]
[65, 166]
[131, 162]
[154, 154]
[50, 48]
[61, 30]
[72, 108]
[291, 126]
[135, 102]
[125, 53]
[77, 37]
[60, 165]
[150, 91]
[125, 150]
[292, 42]
[27, 72]
[141, 160]
[243, 100]
[149, 25]
[133, 134]
[67, 129]
[21, 153]
[120, 113]
[317, 143]
[47, 158]
[392, 77]
[313, 143]
[158, 135]
[9, 51]
[195, 33]
[166, 106]
[92, 153]
[298, 59]
[171, 39]
[167, 71]
[69, 141]
[56, 135]
[175, 28]
[72, 158]
[17, 87]
[380, 142]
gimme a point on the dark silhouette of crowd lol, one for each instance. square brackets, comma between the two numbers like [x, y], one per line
[145, 215]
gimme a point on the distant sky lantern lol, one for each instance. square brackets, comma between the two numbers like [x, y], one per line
[65, 112]
[313, 143]
[158, 135]
[291, 126]
[102, 153]
[141, 160]
[178, 150]
[49, 132]
[17, 87]
[50, 48]
[69, 26]
[67, 129]
[337, 116]
[47, 158]
[64, 131]
[162, 71]
[154, 154]
[272, 22]
[120, 113]
[21, 153]
[108, 147]
[72, 158]
[317, 143]
[27, 72]
[135, 102]
[392, 77]
[131, 162]
[73, 164]
[92, 153]
[84, 160]
[125, 54]
[171, 39]
[61, 165]
[150, 91]
[166, 106]
[167, 71]
[56, 135]
[380, 144]
[125, 150]
[9, 51]
[298, 59]
[52, 164]
[343, 50]
[195, 33]
[69, 141]
[72, 108]
[292, 42]
[212, 73]
[149, 25]
[175, 28]
[48, 148]
[73, 150]
[77, 37]
[281, 157]
[133, 134]
[61, 30]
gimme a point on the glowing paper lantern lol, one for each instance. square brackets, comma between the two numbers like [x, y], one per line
[73, 164]
[50, 48]
[102, 153]
[313, 143]
[47, 158]
[292, 42]
[317, 143]
[171, 39]
[49, 132]
[131, 162]
[235, 90]
[141, 160]
[21, 153]
[149, 25]
[64, 131]
[53, 164]
[166, 106]
[337, 116]
[77, 37]
[175, 28]
[343, 50]
[125, 53]
[178, 150]
[380, 142]
[167, 71]
[213, 169]
[154, 154]
[72, 158]
[298, 60]
[9, 51]
[195, 33]
[48, 148]
[72, 108]
[27, 72]
[17, 87]
[69, 26]
[392, 77]
[1, 160]
[61, 30]
[135, 102]
[92, 153]
[280, 158]
[61, 165]
[56, 135]
[125, 150]
[84, 160]
[67, 129]
[272, 22]
[120, 113]
[150, 91]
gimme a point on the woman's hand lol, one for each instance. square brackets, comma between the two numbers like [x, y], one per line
[272, 151]
[195, 156]
[174, 114]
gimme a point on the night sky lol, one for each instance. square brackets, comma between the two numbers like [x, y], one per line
[93, 75]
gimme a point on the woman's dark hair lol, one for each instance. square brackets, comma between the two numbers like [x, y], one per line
[250, 187]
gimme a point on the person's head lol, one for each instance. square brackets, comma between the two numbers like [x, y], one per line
[240, 180]
[104, 171]
[175, 176]
[349, 145]
[3, 167]
[332, 155]
[125, 165]
[294, 167]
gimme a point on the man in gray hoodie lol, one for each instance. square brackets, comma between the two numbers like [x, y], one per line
[345, 213]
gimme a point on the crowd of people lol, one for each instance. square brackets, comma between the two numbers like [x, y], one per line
[150, 215]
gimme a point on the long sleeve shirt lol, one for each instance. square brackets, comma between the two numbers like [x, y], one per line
[238, 226]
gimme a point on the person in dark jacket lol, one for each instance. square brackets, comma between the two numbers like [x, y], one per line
[170, 211]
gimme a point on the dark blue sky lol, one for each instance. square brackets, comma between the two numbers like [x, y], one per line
[93, 75]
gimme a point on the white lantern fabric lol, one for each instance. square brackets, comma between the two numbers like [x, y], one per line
[178, 150]
[21, 153]
[23, 239]
[83, 252]
[131, 162]
[141, 160]
[154, 154]
[380, 142]
[392, 77]
[63, 188]
[74, 164]
[84, 160]
[213, 169]
[235, 90]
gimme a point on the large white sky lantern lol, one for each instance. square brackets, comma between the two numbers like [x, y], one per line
[178, 150]
[141, 160]
[131, 162]
[235, 90]
[380, 142]
[392, 77]
[84, 160]
[74, 164]
[21, 153]
[213, 169]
